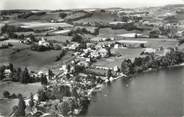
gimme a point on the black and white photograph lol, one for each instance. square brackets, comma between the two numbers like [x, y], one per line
[91, 58]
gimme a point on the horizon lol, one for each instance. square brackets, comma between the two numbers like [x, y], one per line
[82, 4]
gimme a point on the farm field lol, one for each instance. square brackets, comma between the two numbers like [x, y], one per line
[43, 25]
[14, 87]
[31, 59]
[78, 46]
[156, 43]
[59, 38]
[125, 53]
[99, 16]
[122, 53]
[110, 32]
[39, 24]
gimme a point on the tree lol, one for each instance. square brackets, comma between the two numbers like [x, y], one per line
[25, 76]
[31, 102]
[68, 67]
[154, 34]
[109, 73]
[50, 74]
[64, 108]
[136, 36]
[18, 74]
[142, 45]
[84, 103]
[42, 95]
[11, 67]
[83, 45]
[62, 15]
[32, 37]
[63, 52]
[6, 94]
[127, 66]
[77, 38]
[44, 80]
[21, 106]
[109, 51]
[2, 75]
[74, 92]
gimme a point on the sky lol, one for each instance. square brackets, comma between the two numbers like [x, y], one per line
[70, 4]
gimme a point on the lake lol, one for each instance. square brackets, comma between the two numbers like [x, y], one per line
[153, 94]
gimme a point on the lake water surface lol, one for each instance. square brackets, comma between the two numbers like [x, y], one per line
[153, 94]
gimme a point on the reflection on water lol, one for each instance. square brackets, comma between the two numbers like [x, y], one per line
[154, 94]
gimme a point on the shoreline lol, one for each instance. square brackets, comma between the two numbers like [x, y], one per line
[154, 70]
[99, 87]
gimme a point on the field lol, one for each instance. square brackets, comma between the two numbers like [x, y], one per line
[36, 60]
[99, 16]
[6, 110]
[110, 32]
[123, 53]
[156, 43]
[59, 38]
[13, 87]
[37, 25]
[25, 57]
[46, 17]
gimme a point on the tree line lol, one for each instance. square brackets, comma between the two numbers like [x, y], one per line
[152, 61]
[23, 75]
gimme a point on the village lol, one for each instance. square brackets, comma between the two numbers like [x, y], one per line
[73, 54]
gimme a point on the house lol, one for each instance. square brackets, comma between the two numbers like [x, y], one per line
[26, 41]
[61, 32]
[64, 69]
[117, 23]
[163, 51]
[74, 46]
[116, 46]
[149, 50]
[83, 63]
[43, 42]
[3, 37]
[90, 45]
[7, 73]
[130, 35]
[116, 68]
[95, 54]
[103, 52]
[131, 43]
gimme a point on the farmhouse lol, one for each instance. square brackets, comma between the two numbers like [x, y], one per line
[74, 46]
[149, 50]
[103, 52]
[131, 43]
[43, 42]
[130, 35]
[61, 32]
[26, 41]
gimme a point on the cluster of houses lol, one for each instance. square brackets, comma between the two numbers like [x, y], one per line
[158, 51]
[42, 42]
[86, 56]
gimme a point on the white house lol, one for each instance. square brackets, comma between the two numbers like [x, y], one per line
[43, 42]
[149, 50]
[74, 46]
[103, 52]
